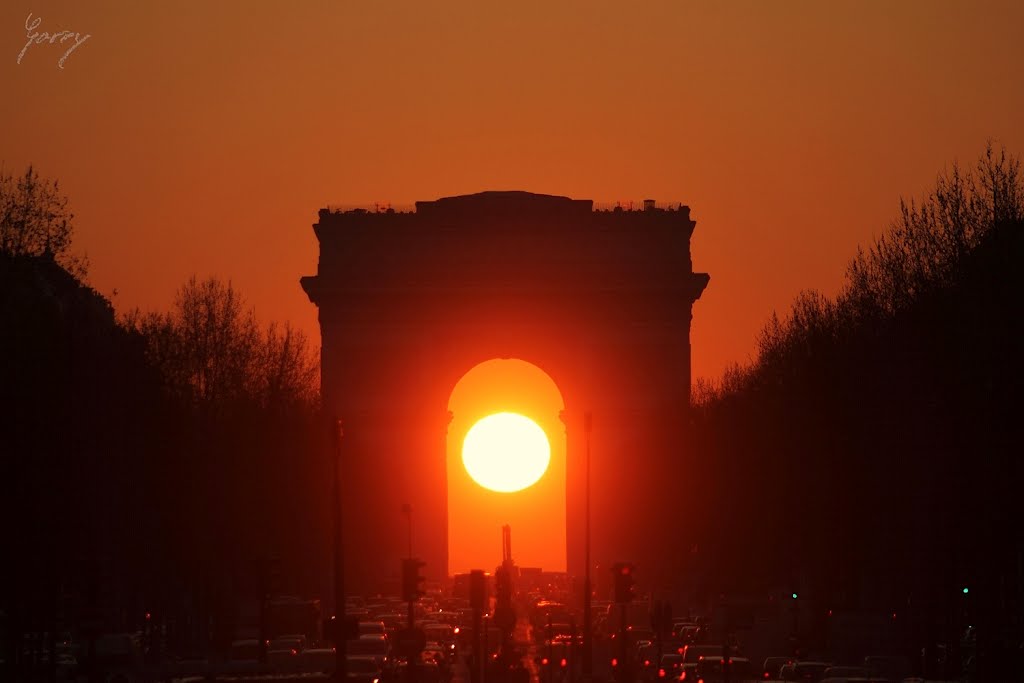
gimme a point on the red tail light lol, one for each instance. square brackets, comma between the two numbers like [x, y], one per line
[294, 651]
[661, 673]
[767, 675]
[615, 662]
[647, 662]
[564, 662]
[544, 661]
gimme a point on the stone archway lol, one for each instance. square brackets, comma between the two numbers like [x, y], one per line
[602, 300]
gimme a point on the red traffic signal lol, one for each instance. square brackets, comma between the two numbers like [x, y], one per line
[624, 584]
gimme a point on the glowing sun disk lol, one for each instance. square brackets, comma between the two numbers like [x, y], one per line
[506, 452]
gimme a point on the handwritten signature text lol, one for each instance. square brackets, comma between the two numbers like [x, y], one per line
[40, 37]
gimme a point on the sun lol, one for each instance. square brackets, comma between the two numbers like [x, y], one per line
[506, 452]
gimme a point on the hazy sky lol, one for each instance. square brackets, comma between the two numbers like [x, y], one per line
[202, 137]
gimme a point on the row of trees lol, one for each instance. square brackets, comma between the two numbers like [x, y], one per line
[153, 461]
[244, 483]
[879, 427]
[214, 356]
[924, 251]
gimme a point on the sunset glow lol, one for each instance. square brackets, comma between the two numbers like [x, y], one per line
[506, 452]
[393, 329]
[476, 513]
[606, 103]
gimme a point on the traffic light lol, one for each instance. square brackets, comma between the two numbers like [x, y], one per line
[623, 574]
[477, 590]
[412, 580]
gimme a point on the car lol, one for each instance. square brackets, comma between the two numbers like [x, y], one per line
[435, 653]
[283, 659]
[370, 646]
[426, 672]
[772, 666]
[361, 669]
[888, 668]
[670, 666]
[295, 641]
[692, 654]
[806, 672]
[647, 656]
[67, 662]
[393, 621]
[318, 659]
[441, 633]
[243, 657]
[841, 674]
[371, 627]
[710, 668]
[680, 626]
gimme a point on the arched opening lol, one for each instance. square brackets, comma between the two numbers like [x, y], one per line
[537, 512]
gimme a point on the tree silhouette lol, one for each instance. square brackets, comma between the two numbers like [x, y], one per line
[925, 247]
[878, 429]
[245, 438]
[150, 463]
[35, 220]
[923, 251]
[213, 355]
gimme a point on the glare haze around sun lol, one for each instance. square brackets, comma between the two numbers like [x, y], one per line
[506, 452]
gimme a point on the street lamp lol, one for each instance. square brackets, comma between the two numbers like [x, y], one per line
[340, 661]
[588, 651]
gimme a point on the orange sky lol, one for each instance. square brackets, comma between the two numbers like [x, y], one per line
[202, 137]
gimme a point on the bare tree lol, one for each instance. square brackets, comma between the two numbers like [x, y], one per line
[924, 250]
[219, 340]
[35, 220]
[212, 353]
[925, 247]
[288, 368]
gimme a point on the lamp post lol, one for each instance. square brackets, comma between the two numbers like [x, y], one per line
[340, 663]
[407, 513]
[588, 643]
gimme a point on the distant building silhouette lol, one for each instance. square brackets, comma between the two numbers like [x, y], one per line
[600, 300]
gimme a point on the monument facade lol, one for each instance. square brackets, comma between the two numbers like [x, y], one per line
[601, 300]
